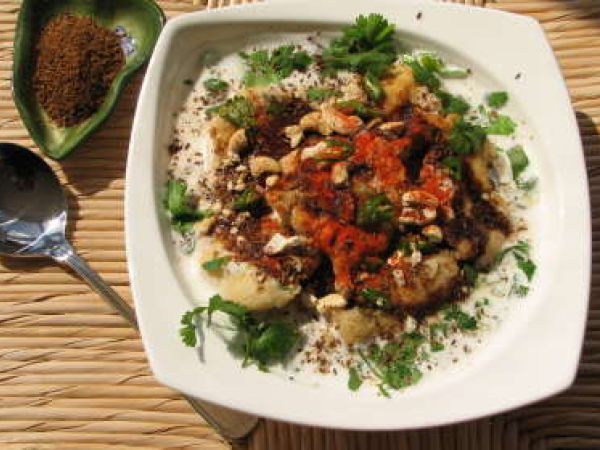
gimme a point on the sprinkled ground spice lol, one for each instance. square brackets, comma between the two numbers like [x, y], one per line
[75, 62]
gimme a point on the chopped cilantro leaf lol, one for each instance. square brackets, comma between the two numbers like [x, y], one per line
[376, 210]
[437, 346]
[520, 251]
[237, 110]
[466, 138]
[215, 264]
[454, 72]
[470, 274]
[501, 125]
[527, 266]
[497, 100]
[247, 200]
[518, 161]
[462, 320]
[358, 108]
[354, 379]
[215, 85]
[315, 94]
[452, 104]
[373, 87]
[266, 67]
[177, 203]
[423, 75]
[188, 326]
[367, 46]
[261, 342]
[520, 290]
[454, 165]
[375, 297]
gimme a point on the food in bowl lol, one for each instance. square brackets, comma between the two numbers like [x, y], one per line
[350, 210]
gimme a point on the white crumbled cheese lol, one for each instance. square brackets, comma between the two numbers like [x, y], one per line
[280, 243]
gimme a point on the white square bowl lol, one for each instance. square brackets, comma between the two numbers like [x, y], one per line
[532, 356]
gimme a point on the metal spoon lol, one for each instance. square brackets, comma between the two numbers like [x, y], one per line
[33, 216]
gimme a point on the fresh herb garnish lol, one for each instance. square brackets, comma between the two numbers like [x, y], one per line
[375, 211]
[501, 125]
[375, 297]
[527, 185]
[470, 274]
[215, 264]
[315, 94]
[373, 87]
[497, 100]
[466, 138]
[247, 200]
[454, 165]
[237, 110]
[177, 204]
[395, 364]
[518, 161]
[216, 85]
[354, 379]
[462, 320]
[423, 75]
[367, 47]
[520, 252]
[452, 104]
[261, 342]
[358, 108]
[268, 67]
[340, 150]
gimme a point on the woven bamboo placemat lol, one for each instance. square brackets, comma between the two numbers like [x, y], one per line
[74, 376]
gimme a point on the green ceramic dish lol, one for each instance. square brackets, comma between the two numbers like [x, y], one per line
[141, 19]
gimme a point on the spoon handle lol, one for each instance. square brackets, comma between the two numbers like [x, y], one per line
[232, 425]
[79, 266]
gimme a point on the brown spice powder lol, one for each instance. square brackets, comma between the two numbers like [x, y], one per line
[75, 63]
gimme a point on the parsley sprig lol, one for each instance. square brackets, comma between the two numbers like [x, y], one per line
[520, 251]
[395, 364]
[237, 110]
[367, 47]
[268, 67]
[261, 342]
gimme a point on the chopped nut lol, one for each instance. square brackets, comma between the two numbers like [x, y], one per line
[433, 233]
[279, 243]
[392, 126]
[339, 173]
[271, 180]
[263, 164]
[330, 301]
[289, 163]
[295, 134]
[313, 151]
[313, 121]
[237, 142]
[419, 207]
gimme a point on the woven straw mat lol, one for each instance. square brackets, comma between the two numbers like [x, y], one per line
[74, 376]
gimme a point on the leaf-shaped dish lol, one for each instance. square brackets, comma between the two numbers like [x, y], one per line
[142, 20]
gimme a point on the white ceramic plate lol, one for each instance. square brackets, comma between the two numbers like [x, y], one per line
[533, 355]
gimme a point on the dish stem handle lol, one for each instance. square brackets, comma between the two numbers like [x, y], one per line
[232, 425]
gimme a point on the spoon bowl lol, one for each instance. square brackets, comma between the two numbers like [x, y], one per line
[33, 216]
[33, 207]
